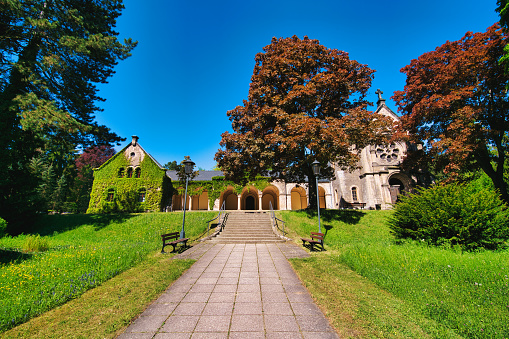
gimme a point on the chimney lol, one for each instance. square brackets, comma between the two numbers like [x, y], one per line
[135, 140]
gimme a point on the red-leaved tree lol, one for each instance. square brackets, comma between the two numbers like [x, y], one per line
[455, 100]
[91, 158]
[306, 102]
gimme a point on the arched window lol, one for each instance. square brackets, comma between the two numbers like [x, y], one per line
[141, 195]
[110, 194]
[130, 172]
[120, 172]
[137, 172]
[354, 194]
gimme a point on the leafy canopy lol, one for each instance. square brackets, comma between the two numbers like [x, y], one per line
[306, 102]
[455, 100]
[53, 53]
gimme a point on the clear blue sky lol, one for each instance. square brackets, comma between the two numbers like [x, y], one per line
[195, 59]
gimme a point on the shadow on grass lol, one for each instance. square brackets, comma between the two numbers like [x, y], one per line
[49, 224]
[346, 216]
[12, 256]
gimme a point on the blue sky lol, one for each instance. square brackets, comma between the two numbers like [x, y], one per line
[195, 59]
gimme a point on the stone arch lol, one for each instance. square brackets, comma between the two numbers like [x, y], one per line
[270, 195]
[299, 198]
[321, 197]
[200, 201]
[249, 199]
[230, 199]
[178, 201]
[398, 183]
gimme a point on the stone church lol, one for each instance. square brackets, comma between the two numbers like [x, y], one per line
[375, 185]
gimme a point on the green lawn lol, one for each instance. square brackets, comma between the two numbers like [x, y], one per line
[84, 252]
[100, 271]
[371, 287]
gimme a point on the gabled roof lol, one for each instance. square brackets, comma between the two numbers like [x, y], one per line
[383, 109]
[134, 141]
[202, 175]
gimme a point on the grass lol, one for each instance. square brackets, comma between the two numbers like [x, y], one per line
[374, 288]
[103, 312]
[84, 252]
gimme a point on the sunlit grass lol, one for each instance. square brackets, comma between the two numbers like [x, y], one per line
[465, 293]
[86, 251]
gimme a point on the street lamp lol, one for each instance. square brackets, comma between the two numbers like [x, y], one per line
[316, 172]
[188, 168]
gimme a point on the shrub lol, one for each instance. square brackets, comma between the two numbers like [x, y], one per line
[35, 243]
[3, 227]
[472, 216]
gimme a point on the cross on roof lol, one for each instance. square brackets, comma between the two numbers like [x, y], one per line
[379, 92]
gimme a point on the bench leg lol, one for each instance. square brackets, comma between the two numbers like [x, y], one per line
[162, 250]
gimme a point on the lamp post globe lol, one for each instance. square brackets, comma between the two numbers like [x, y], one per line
[188, 168]
[316, 171]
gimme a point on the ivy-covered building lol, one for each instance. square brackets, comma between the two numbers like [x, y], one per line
[130, 181]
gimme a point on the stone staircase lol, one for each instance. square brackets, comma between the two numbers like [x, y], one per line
[244, 227]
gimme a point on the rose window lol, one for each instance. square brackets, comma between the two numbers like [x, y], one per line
[389, 154]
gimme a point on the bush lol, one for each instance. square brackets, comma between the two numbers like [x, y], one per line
[3, 227]
[35, 243]
[472, 216]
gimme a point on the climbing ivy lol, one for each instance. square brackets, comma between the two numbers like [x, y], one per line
[126, 191]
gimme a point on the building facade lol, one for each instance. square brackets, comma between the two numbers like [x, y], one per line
[376, 184]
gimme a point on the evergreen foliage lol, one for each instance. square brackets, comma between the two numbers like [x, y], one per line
[3, 227]
[471, 216]
[52, 56]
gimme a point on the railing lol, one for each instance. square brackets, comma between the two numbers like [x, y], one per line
[221, 218]
[275, 220]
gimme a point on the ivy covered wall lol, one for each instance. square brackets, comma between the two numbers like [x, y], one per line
[114, 191]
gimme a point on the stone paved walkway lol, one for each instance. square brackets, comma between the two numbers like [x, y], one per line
[235, 291]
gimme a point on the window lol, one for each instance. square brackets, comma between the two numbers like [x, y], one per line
[110, 194]
[354, 194]
[130, 172]
[137, 172]
[120, 172]
[141, 195]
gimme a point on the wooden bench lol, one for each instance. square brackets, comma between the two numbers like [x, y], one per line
[176, 240]
[316, 238]
[352, 205]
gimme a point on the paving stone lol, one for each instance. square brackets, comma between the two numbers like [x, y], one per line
[147, 335]
[246, 308]
[173, 335]
[222, 297]
[280, 323]
[320, 335]
[277, 308]
[196, 297]
[283, 335]
[160, 309]
[247, 323]
[248, 297]
[305, 309]
[213, 323]
[313, 323]
[180, 323]
[218, 309]
[189, 309]
[146, 324]
[244, 335]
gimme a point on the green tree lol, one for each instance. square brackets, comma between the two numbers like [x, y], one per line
[306, 102]
[53, 53]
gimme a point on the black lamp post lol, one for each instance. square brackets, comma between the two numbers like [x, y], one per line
[316, 171]
[188, 167]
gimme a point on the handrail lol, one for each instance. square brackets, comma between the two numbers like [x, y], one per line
[275, 220]
[221, 216]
